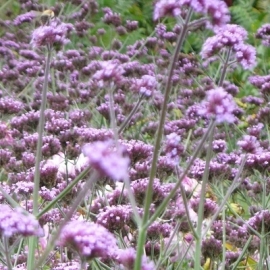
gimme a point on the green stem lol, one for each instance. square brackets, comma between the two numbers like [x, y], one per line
[164, 203]
[85, 189]
[33, 239]
[149, 191]
[63, 193]
[7, 253]
[232, 187]
[225, 67]
[201, 203]
[133, 111]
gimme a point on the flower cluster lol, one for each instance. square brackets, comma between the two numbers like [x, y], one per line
[219, 105]
[18, 222]
[88, 239]
[215, 9]
[231, 37]
[108, 159]
[263, 33]
[53, 35]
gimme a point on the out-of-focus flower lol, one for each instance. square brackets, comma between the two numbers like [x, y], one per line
[220, 105]
[26, 17]
[167, 8]
[54, 34]
[18, 222]
[126, 257]
[263, 33]
[250, 144]
[217, 10]
[108, 159]
[88, 239]
[146, 85]
[173, 147]
[231, 37]
[110, 72]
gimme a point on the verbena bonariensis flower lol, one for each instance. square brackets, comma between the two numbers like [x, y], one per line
[231, 37]
[108, 159]
[126, 258]
[211, 247]
[173, 148]
[9, 105]
[217, 10]
[54, 34]
[260, 222]
[263, 33]
[218, 105]
[18, 222]
[158, 229]
[110, 73]
[115, 218]
[26, 17]
[145, 85]
[250, 144]
[88, 239]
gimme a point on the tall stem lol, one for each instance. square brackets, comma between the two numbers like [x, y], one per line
[77, 201]
[149, 191]
[201, 203]
[33, 239]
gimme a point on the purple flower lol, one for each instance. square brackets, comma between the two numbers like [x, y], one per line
[250, 144]
[173, 147]
[211, 248]
[17, 221]
[108, 159]
[115, 218]
[111, 71]
[167, 8]
[220, 105]
[230, 36]
[88, 239]
[217, 10]
[26, 17]
[264, 33]
[245, 55]
[54, 34]
[126, 257]
[10, 105]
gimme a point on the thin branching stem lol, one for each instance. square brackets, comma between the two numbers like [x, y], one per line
[77, 201]
[202, 201]
[33, 239]
[159, 135]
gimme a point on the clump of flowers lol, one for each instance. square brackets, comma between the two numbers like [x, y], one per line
[53, 35]
[230, 37]
[108, 159]
[219, 105]
[18, 222]
[88, 239]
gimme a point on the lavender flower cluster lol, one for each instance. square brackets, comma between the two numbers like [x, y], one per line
[105, 100]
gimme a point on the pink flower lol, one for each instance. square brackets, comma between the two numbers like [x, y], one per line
[220, 105]
[108, 159]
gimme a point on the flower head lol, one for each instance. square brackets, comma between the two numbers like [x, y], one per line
[216, 10]
[88, 239]
[107, 159]
[263, 33]
[111, 71]
[219, 104]
[16, 221]
[231, 36]
[53, 34]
